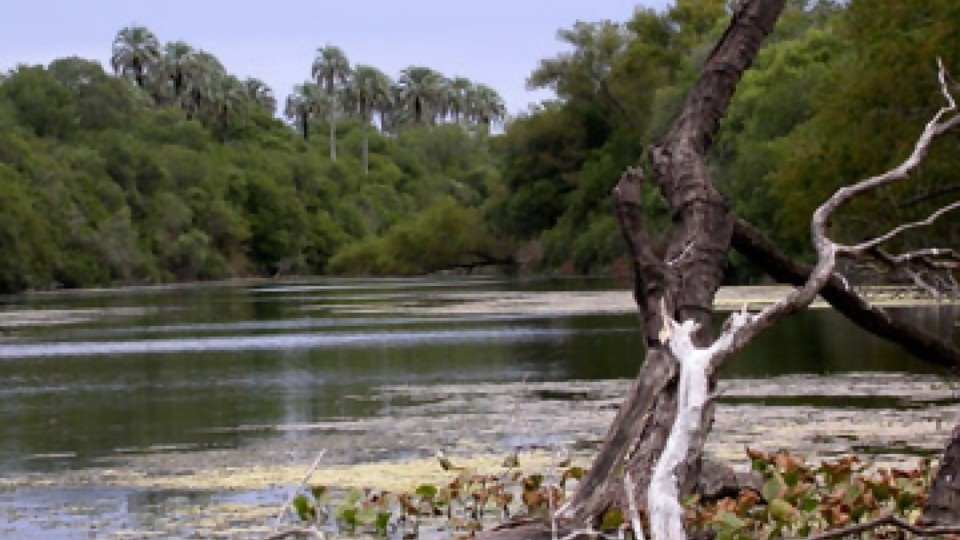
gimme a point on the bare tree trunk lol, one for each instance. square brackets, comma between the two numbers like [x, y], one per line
[943, 506]
[685, 281]
[681, 286]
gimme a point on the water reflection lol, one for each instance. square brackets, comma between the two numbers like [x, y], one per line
[185, 366]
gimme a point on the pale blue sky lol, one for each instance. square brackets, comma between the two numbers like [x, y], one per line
[497, 42]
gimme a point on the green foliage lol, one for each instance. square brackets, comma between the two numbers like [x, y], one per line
[107, 181]
[839, 93]
[172, 168]
[443, 236]
[466, 504]
[875, 99]
[800, 499]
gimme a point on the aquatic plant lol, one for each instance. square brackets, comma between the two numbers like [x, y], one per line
[790, 498]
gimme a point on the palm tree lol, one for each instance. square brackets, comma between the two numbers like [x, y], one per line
[392, 113]
[420, 89]
[226, 104]
[177, 56]
[369, 91]
[459, 92]
[260, 94]
[202, 76]
[136, 51]
[305, 104]
[331, 69]
[486, 106]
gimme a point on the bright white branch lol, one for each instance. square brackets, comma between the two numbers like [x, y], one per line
[864, 246]
[697, 364]
[663, 505]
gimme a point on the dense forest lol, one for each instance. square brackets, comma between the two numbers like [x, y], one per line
[166, 167]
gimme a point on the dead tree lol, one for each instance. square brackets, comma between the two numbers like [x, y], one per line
[681, 286]
[943, 505]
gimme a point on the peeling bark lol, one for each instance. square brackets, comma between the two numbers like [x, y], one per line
[686, 280]
[682, 285]
[943, 506]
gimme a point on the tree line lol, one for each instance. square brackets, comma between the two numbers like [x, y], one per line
[838, 92]
[171, 168]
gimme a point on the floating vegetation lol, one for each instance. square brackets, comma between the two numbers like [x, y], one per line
[797, 499]
[467, 503]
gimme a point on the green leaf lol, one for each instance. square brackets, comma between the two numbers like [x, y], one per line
[781, 510]
[349, 517]
[319, 493]
[729, 521]
[303, 507]
[427, 491]
[352, 497]
[808, 503]
[772, 488]
[366, 517]
[534, 481]
[383, 519]
[791, 478]
[612, 520]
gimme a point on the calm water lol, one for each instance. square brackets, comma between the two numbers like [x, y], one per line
[92, 378]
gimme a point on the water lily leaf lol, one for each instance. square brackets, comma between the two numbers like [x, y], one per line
[781, 510]
[383, 520]
[729, 521]
[773, 488]
[303, 507]
[612, 520]
[427, 491]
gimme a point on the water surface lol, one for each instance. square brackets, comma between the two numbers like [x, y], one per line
[115, 404]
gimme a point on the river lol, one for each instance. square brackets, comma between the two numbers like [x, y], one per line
[188, 411]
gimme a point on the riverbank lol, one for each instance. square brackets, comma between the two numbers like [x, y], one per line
[233, 493]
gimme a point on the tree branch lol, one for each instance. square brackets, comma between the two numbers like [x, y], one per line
[699, 363]
[752, 244]
[882, 522]
[827, 249]
[653, 279]
[870, 244]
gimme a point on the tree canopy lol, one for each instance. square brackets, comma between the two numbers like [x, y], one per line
[171, 168]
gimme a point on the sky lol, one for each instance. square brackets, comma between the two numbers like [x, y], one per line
[495, 42]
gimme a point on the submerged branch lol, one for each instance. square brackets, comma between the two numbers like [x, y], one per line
[752, 244]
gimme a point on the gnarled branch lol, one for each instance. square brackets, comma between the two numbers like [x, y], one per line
[752, 244]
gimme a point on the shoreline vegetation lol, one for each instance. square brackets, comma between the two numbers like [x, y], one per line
[236, 493]
[166, 168]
